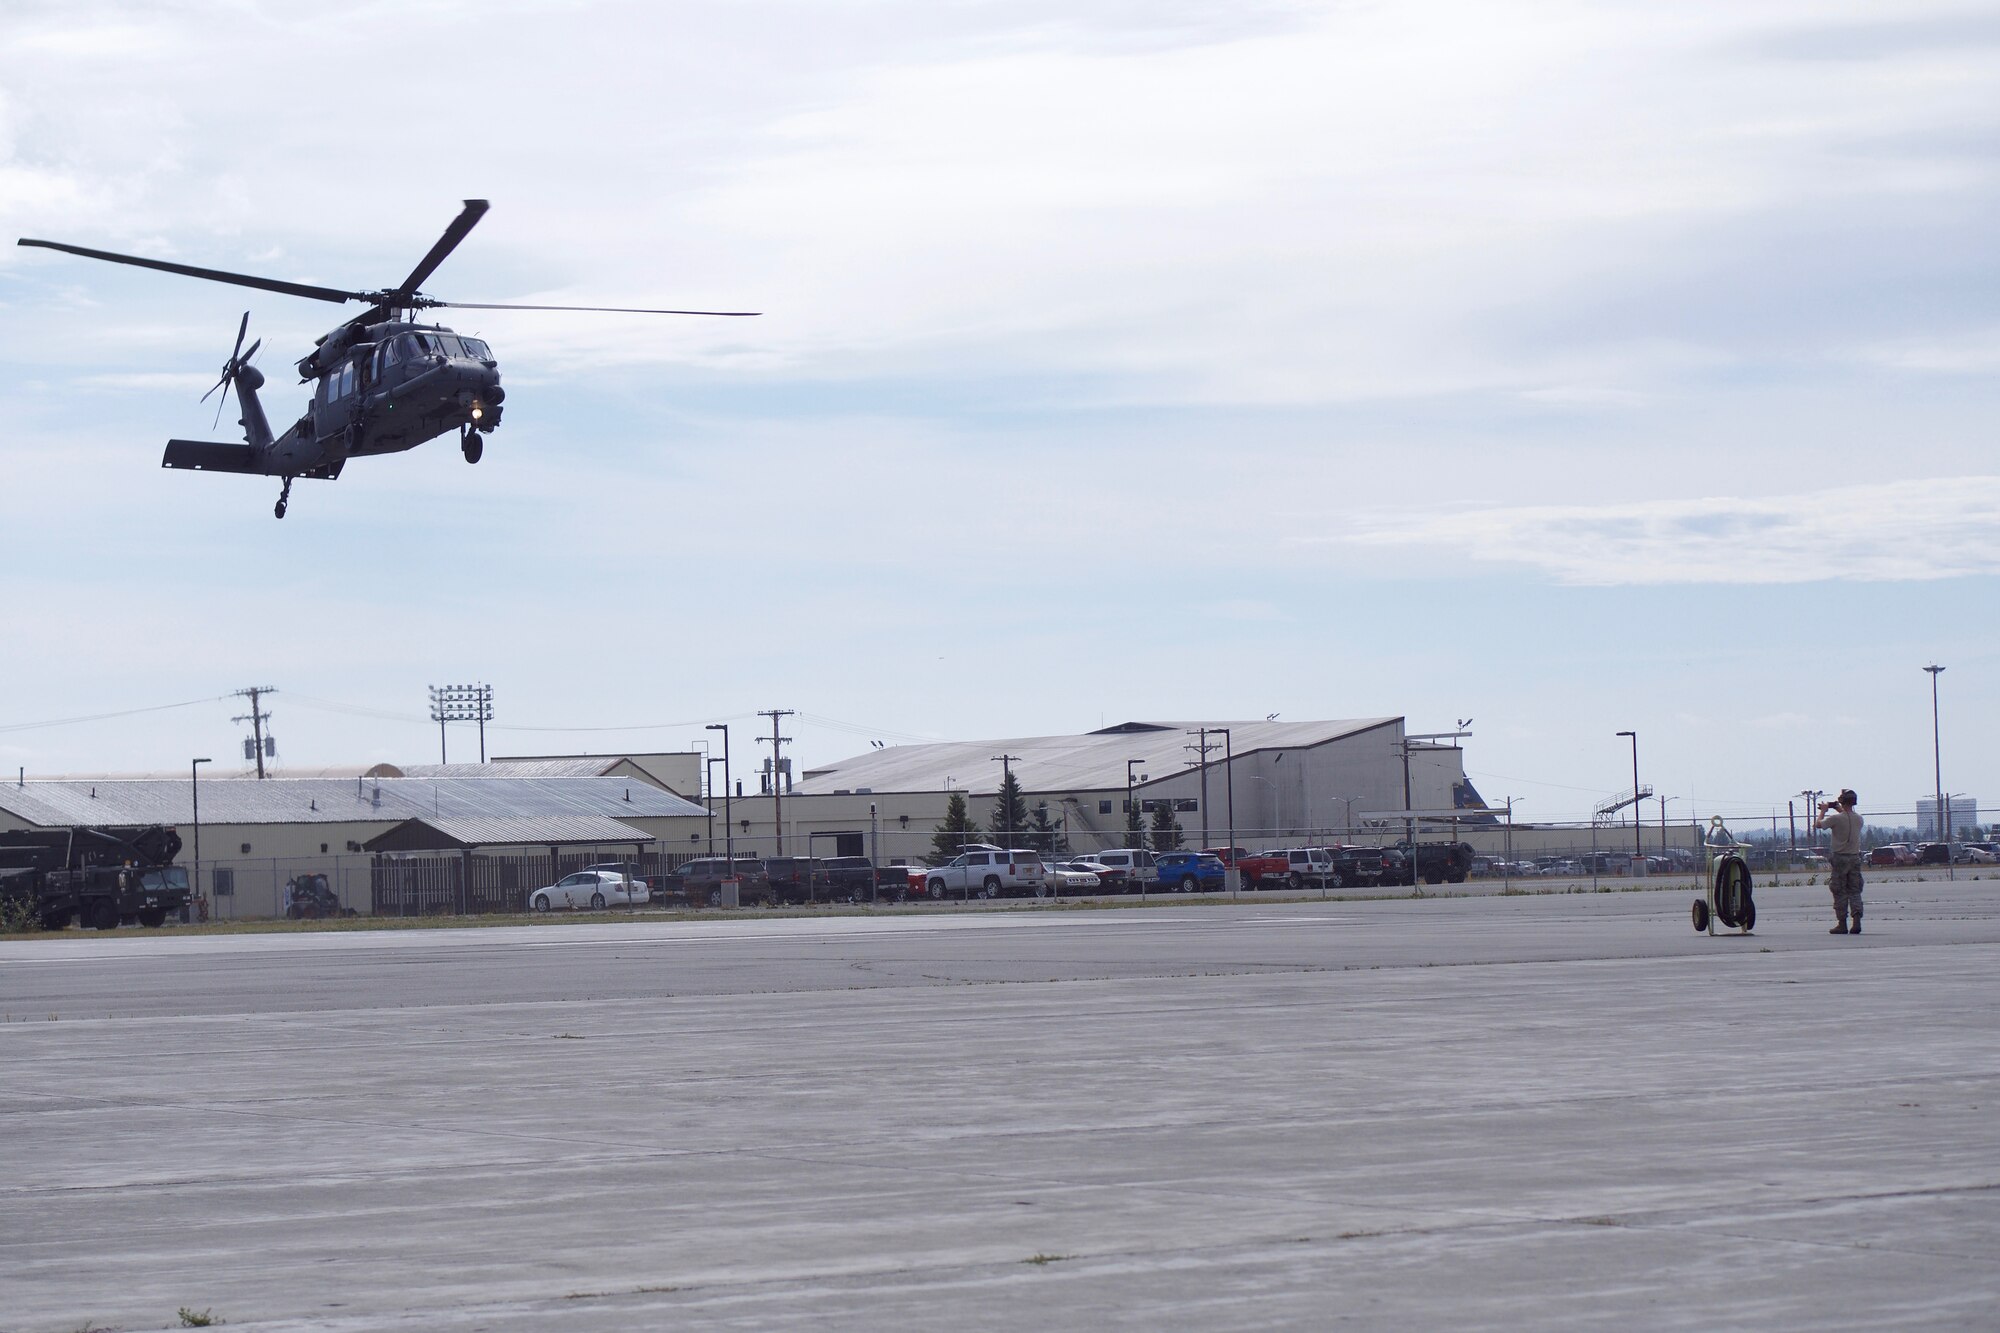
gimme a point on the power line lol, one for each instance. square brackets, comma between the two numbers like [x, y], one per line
[106, 717]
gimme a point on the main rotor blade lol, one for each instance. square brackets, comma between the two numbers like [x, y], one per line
[212, 274]
[467, 218]
[601, 309]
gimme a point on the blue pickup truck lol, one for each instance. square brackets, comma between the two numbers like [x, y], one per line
[1188, 872]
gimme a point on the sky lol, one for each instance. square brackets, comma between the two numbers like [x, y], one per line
[1570, 368]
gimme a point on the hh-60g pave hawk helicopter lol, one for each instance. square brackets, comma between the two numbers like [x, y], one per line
[385, 383]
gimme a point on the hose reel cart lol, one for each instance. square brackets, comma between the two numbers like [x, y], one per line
[1726, 898]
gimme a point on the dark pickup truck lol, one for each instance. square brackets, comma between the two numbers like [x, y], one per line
[1434, 863]
[858, 879]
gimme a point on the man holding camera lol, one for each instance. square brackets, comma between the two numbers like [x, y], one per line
[1840, 819]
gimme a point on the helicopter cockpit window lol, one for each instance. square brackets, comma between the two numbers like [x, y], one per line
[476, 349]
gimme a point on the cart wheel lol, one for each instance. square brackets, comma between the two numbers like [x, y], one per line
[1700, 915]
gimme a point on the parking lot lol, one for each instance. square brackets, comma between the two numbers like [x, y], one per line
[1565, 1110]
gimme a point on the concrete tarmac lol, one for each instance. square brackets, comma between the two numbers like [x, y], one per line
[1558, 1111]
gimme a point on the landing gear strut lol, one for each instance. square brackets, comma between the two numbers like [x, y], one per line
[284, 498]
[471, 445]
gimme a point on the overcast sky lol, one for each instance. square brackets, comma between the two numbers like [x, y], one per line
[1571, 368]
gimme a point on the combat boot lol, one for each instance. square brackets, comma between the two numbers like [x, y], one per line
[1840, 928]
[1855, 929]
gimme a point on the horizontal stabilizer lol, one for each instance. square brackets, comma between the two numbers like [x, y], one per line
[208, 456]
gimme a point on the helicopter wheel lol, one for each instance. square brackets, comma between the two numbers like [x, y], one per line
[472, 446]
[284, 498]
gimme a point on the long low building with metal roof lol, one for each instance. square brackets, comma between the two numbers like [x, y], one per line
[245, 838]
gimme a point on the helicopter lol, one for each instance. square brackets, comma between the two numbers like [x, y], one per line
[384, 382]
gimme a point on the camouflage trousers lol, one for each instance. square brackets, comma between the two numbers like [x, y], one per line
[1845, 881]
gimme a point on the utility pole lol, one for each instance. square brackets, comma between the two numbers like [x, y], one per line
[1006, 762]
[256, 717]
[777, 773]
[1200, 747]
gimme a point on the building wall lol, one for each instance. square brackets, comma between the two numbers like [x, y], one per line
[1963, 809]
[1280, 796]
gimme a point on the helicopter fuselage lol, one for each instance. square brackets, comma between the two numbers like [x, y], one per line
[377, 389]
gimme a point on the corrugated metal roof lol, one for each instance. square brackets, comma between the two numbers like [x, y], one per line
[590, 766]
[332, 801]
[546, 831]
[1092, 762]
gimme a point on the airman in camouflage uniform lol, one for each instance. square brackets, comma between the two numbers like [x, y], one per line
[1842, 820]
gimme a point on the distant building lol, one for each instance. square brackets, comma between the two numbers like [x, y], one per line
[1273, 783]
[1963, 811]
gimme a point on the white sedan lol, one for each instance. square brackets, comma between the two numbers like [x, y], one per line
[1069, 877]
[589, 888]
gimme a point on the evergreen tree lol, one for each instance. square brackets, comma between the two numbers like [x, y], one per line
[1135, 824]
[1166, 829]
[958, 829]
[1010, 812]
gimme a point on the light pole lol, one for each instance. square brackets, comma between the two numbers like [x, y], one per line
[728, 824]
[1663, 822]
[1347, 820]
[1940, 811]
[194, 790]
[709, 777]
[1637, 850]
[1276, 813]
[1132, 819]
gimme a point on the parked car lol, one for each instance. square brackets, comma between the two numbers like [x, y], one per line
[1934, 854]
[1188, 872]
[856, 879]
[622, 868]
[792, 878]
[1227, 855]
[1067, 877]
[1885, 855]
[1124, 867]
[1292, 867]
[589, 888]
[1107, 878]
[990, 872]
[700, 880]
[1978, 853]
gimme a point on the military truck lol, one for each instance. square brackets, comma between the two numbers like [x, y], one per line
[99, 877]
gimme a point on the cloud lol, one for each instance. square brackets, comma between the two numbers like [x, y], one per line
[1970, 352]
[1896, 531]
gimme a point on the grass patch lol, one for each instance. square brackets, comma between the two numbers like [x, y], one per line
[198, 1318]
[1040, 1259]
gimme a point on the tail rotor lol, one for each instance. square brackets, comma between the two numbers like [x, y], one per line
[233, 367]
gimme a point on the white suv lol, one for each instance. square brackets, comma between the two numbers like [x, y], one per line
[1130, 867]
[990, 872]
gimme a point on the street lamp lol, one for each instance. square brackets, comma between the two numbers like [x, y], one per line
[1637, 850]
[1132, 819]
[728, 825]
[1663, 823]
[709, 778]
[1940, 812]
[194, 790]
[1347, 824]
[1276, 813]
